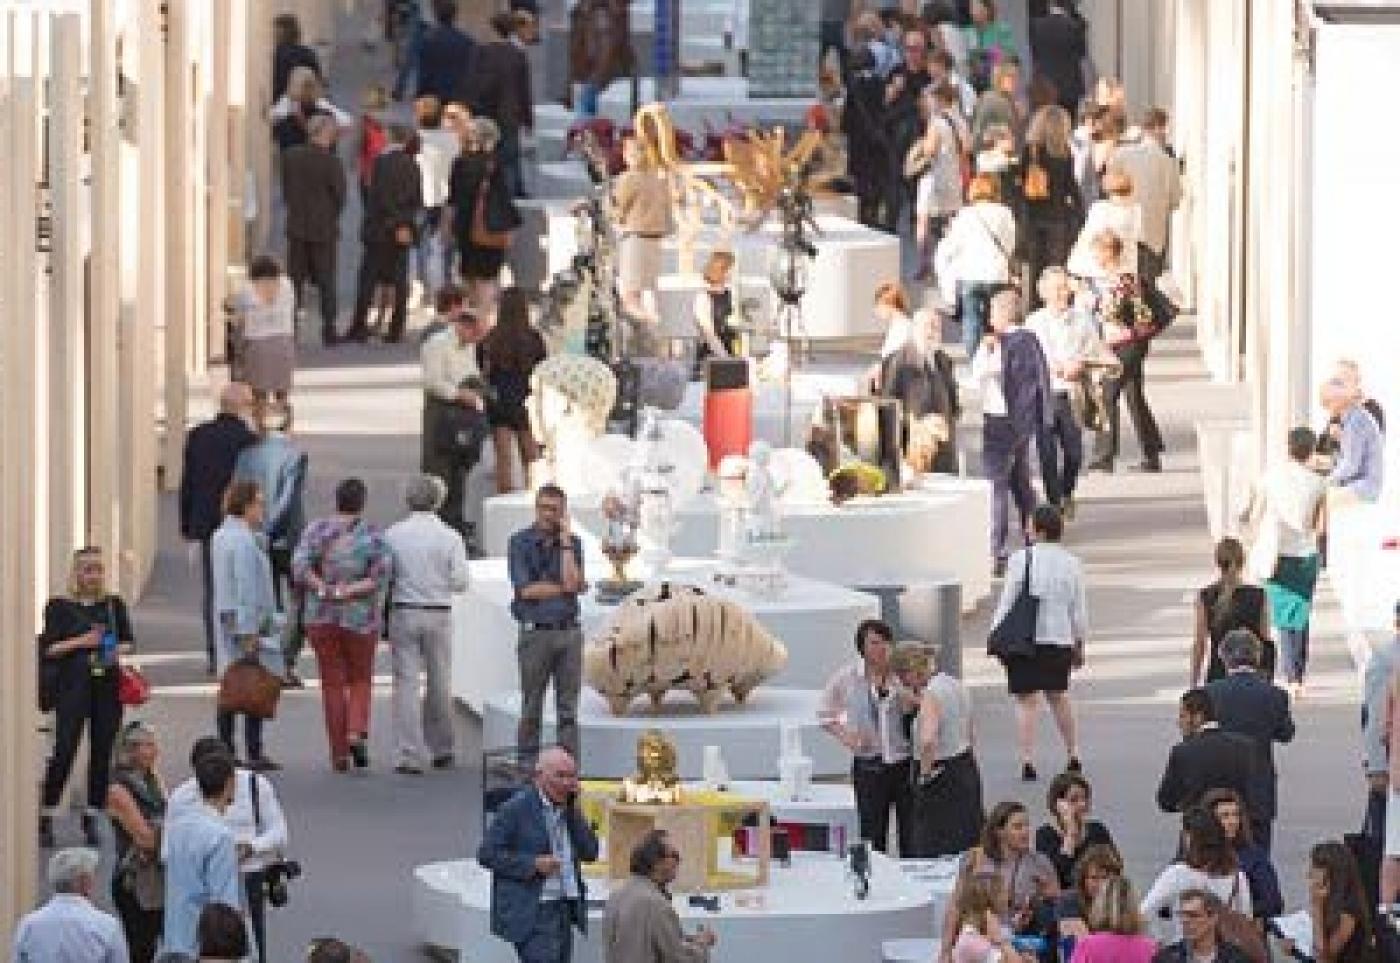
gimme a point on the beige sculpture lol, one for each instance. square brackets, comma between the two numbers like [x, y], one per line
[570, 398]
[672, 636]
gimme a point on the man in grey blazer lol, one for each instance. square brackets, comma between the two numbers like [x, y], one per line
[640, 925]
[535, 848]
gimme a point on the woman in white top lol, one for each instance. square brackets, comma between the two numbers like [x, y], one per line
[264, 318]
[974, 257]
[1062, 622]
[438, 147]
[1288, 506]
[714, 309]
[1209, 864]
[1117, 212]
[939, 192]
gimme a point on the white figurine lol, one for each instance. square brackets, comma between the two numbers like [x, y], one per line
[761, 492]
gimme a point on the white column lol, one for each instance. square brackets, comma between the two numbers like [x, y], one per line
[179, 271]
[216, 195]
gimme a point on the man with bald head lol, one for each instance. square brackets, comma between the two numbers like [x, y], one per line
[211, 454]
[1357, 471]
[534, 848]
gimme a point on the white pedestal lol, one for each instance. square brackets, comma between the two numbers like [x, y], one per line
[748, 733]
[807, 912]
[931, 533]
[816, 620]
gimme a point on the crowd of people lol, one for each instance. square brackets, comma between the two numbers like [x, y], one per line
[1021, 187]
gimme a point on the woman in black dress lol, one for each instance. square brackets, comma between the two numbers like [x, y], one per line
[84, 633]
[1069, 834]
[477, 185]
[1226, 604]
[1053, 206]
[509, 354]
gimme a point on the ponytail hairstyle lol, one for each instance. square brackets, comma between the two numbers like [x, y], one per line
[1229, 559]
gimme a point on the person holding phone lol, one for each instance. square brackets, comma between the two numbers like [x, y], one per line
[863, 707]
[85, 631]
[640, 925]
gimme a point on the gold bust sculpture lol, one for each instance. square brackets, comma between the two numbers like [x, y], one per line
[655, 781]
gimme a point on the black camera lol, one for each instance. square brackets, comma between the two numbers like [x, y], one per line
[275, 879]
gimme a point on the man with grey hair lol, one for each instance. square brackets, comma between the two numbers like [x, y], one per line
[1249, 704]
[430, 567]
[68, 928]
[1357, 470]
[313, 184]
[393, 204]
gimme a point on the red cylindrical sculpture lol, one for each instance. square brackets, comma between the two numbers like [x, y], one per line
[728, 408]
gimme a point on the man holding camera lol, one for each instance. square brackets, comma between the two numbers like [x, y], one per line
[454, 411]
[534, 850]
[254, 815]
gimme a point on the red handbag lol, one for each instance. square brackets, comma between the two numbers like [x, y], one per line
[133, 688]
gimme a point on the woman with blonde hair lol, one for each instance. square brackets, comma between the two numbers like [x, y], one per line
[1226, 604]
[1115, 928]
[714, 309]
[641, 206]
[1117, 212]
[974, 258]
[480, 214]
[1053, 204]
[85, 631]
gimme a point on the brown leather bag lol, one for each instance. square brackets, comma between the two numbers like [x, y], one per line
[249, 688]
[1036, 186]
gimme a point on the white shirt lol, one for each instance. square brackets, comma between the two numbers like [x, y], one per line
[1178, 878]
[986, 375]
[447, 362]
[977, 247]
[430, 560]
[267, 320]
[897, 335]
[850, 700]
[69, 929]
[436, 151]
[285, 105]
[1057, 579]
[1065, 337]
[266, 845]
[1292, 493]
[1156, 187]
[1125, 220]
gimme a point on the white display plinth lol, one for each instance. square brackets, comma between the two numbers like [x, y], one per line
[852, 261]
[815, 620]
[823, 804]
[749, 734]
[807, 912]
[933, 533]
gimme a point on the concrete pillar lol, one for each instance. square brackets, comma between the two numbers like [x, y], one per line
[67, 395]
[239, 118]
[179, 270]
[215, 198]
[19, 446]
[257, 129]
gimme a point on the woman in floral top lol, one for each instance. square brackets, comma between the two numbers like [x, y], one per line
[344, 566]
[1127, 324]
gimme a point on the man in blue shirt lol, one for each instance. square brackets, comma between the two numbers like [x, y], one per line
[69, 928]
[546, 571]
[201, 858]
[1361, 447]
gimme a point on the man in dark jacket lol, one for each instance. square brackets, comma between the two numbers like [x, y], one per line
[1059, 44]
[211, 452]
[1017, 405]
[313, 183]
[500, 90]
[290, 53]
[1199, 913]
[534, 850]
[445, 57]
[1206, 758]
[1247, 703]
[392, 207]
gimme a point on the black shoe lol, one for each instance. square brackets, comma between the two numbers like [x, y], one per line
[1152, 465]
[329, 338]
[1074, 765]
[90, 835]
[292, 681]
[359, 752]
[1101, 464]
[445, 761]
[46, 832]
[1028, 773]
[358, 333]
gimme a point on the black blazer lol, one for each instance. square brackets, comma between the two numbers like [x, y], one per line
[444, 64]
[211, 452]
[1025, 381]
[313, 183]
[1210, 759]
[1248, 704]
[500, 85]
[1059, 45]
[395, 197]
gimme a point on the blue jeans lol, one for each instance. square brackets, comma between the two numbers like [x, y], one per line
[552, 939]
[974, 306]
[1293, 647]
[1006, 461]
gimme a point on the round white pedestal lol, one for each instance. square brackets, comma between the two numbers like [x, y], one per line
[816, 620]
[931, 533]
[807, 912]
[748, 734]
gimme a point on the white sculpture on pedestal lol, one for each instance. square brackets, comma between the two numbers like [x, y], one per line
[570, 398]
[794, 767]
[761, 490]
[657, 508]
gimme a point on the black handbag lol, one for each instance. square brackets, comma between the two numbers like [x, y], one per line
[1014, 636]
[460, 433]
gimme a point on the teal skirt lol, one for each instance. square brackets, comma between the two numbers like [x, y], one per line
[1291, 591]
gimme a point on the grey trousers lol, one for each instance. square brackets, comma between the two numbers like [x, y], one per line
[420, 643]
[544, 655]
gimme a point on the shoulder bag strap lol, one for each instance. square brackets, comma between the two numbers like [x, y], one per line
[993, 235]
[1026, 587]
[257, 806]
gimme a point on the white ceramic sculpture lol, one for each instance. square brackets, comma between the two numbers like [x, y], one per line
[761, 492]
[794, 766]
[570, 399]
[713, 772]
[672, 636]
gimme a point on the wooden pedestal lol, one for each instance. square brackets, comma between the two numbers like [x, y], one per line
[698, 830]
